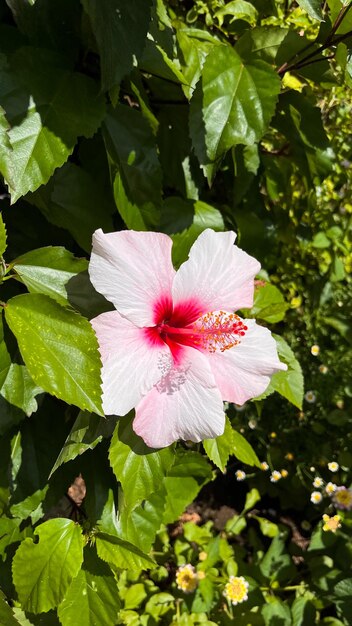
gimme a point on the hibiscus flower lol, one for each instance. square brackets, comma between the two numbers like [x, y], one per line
[174, 348]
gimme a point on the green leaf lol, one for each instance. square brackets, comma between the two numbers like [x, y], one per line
[232, 106]
[219, 449]
[120, 29]
[191, 218]
[59, 348]
[7, 617]
[269, 304]
[9, 533]
[320, 240]
[237, 10]
[3, 234]
[48, 270]
[50, 109]
[252, 497]
[303, 612]
[155, 61]
[243, 450]
[75, 200]
[30, 506]
[132, 149]
[140, 525]
[6, 168]
[87, 431]
[186, 477]
[20, 390]
[269, 529]
[43, 571]
[288, 384]
[195, 45]
[139, 469]
[313, 8]
[92, 596]
[121, 554]
[276, 613]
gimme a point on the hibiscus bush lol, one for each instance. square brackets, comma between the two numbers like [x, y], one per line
[175, 339]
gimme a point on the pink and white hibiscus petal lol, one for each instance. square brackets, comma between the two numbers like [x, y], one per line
[133, 361]
[217, 274]
[184, 404]
[243, 372]
[133, 270]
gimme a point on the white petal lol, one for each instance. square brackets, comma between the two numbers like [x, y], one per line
[217, 274]
[184, 404]
[243, 372]
[133, 361]
[134, 271]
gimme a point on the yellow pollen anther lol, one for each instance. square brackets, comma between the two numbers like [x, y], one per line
[218, 331]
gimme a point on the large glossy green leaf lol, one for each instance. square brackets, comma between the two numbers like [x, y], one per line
[121, 554]
[233, 103]
[120, 29]
[92, 597]
[59, 348]
[77, 201]
[288, 384]
[139, 469]
[43, 571]
[48, 270]
[48, 110]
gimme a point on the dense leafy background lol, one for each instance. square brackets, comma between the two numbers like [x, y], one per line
[175, 116]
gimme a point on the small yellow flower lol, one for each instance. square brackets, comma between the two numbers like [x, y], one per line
[315, 350]
[331, 523]
[201, 575]
[275, 476]
[284, 473]
[318, 482]
[330, 488]
[323, 369]
[202, 556]
[240, 475]
[273, 435]
[236, 590]
[333, 466]
[186, 578]
[289, 456]
[316, 497]
[264, 466]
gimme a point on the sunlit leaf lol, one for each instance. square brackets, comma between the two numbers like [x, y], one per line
[139, 469]
[48, 270]
[59, 348]
[43, 571]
